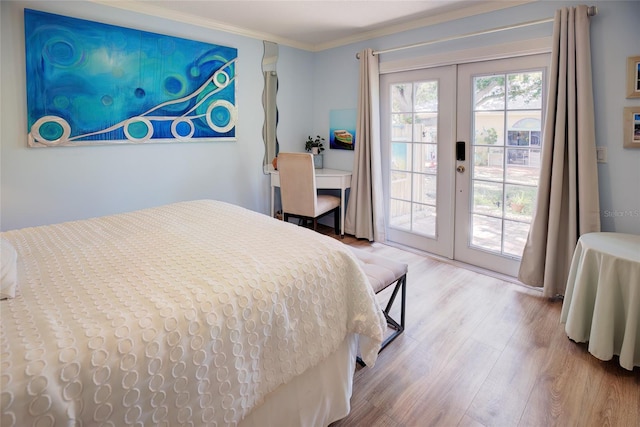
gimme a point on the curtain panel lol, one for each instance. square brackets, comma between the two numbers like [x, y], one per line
[568, 200]
[365, 210]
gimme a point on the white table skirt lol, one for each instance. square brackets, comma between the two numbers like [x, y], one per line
[602, 299]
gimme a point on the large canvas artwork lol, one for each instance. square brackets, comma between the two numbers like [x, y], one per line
[90, 83]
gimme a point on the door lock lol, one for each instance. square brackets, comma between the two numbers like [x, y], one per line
[460, 151]
[460, 169]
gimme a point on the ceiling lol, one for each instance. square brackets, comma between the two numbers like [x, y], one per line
[310, 24]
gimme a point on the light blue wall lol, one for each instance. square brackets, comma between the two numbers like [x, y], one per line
[48, 185]
[295, 97]
[42, 186]
[615, 35]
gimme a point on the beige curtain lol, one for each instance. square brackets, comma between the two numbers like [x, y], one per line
[365, 210]
[568, 204]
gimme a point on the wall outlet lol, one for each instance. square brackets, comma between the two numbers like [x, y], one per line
[601, 154]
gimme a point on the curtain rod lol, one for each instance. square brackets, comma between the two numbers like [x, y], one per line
[591, 11]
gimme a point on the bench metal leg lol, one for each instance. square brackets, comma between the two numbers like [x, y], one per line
[401, 284]
[399, 327]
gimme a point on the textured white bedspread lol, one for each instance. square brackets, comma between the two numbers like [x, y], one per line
[187, 314]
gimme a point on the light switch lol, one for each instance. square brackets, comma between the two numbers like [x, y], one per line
[601, 154]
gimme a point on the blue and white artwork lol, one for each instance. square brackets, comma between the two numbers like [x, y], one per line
[90, 83]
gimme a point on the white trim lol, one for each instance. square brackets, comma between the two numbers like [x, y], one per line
[154, 10]
[185, 18]
[460, 264]
[474, 9]
[501, 51]
[464, 36]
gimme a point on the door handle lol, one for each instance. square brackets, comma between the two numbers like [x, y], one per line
[460, 169]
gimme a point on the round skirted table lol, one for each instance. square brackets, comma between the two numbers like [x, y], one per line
[602, 298]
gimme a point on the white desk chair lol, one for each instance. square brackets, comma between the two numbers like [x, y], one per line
[298, 191]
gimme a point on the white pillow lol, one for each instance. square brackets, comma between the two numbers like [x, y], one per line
[8, 269]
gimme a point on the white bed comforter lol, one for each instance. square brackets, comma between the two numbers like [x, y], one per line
[187, 314]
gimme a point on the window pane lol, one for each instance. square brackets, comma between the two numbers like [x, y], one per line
[521, 173]
[486, 232]
[400, 156]
[400, 214]
[401, 127]
[489, 93]
[487, 163]
[425, 128]
[424, 219]
[520, 201]
[426, 158]
[515, 237]
[401, 98]
[487, 198]
[489, 128]
[524, 90]
[426, 96]
[424, 188]
[400, 185]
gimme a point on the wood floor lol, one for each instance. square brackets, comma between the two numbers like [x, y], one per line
[479, 351]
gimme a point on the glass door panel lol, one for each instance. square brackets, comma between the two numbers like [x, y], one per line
[417, 131]
[500, 113]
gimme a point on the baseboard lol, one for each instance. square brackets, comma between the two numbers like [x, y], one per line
[464, 265]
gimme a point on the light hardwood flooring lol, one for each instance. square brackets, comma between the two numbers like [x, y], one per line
[480, 351]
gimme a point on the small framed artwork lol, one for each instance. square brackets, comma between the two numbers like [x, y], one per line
[633, 77]
[342, 129]
[631, 127]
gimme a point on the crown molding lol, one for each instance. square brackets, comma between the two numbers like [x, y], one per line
[160, 12]
[476, 9]
[172, 15]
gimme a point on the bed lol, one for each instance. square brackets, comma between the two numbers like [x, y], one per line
[194, 313]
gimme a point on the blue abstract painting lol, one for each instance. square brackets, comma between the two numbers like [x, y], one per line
[90, 83]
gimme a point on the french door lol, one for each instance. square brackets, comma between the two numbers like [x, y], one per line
[418, 130]
[461, 152]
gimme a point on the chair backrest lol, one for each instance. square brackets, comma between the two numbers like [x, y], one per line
[298, 191]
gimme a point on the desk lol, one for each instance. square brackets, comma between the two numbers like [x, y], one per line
[602, 299]
[326, 179]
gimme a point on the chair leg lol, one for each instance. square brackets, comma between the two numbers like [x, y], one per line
[336, 220]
